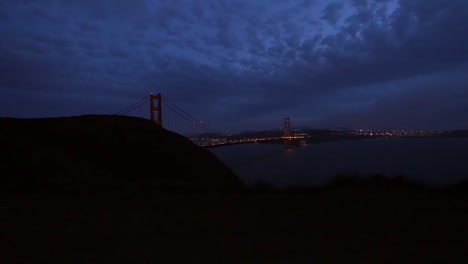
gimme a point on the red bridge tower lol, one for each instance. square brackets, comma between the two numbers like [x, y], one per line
[156, 108]
[287, 132]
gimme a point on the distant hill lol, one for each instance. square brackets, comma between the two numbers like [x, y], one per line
[90, 153]
[459, 133]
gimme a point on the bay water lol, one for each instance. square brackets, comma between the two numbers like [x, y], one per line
[435, 161]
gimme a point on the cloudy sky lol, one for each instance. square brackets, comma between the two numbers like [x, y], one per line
[241, 64]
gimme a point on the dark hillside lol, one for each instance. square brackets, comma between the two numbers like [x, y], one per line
[97, 152]
[100, 171]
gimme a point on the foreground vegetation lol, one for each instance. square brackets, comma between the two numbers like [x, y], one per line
[348, 222]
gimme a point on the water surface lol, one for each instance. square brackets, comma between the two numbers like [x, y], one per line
[436, 161]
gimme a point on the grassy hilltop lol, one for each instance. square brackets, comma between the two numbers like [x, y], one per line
[86, 153]
[112, 189]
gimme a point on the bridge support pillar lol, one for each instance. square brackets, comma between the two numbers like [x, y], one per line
[287, 132]
[155, 108]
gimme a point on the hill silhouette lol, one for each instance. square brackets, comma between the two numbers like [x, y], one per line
[113, 189]
[82, 154]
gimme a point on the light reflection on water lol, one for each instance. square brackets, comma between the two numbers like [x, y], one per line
[289, 151]
[432, 160]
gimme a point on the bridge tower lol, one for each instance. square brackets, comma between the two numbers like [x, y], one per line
[156, 108]
[287, 132]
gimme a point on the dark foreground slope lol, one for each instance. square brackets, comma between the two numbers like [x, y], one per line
[104, 153]
[346, 221]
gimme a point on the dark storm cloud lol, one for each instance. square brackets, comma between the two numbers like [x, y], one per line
[41, 13]
[88, 45]
[49, 40]
[243, 60]
[189, 79]
[133, 11]
[332, 12]
[3, 15]
[380, 53]
[89, 27]
[435, 101]
[359, 3]
[118, 53]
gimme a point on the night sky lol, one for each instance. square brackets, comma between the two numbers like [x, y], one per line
[241, 64]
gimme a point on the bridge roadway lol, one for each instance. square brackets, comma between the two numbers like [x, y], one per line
[247, 140]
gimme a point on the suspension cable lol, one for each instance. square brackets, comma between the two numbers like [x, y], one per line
[193, 118]
[133, 106]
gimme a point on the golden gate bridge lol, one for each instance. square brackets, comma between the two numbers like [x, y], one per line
[179, 121]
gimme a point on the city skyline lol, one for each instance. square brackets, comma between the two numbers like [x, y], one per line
[241, 65]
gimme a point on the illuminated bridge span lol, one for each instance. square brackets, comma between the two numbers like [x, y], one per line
[171, 117]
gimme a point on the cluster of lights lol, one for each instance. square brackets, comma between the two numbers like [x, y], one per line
[224, 141]
[393, 133]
